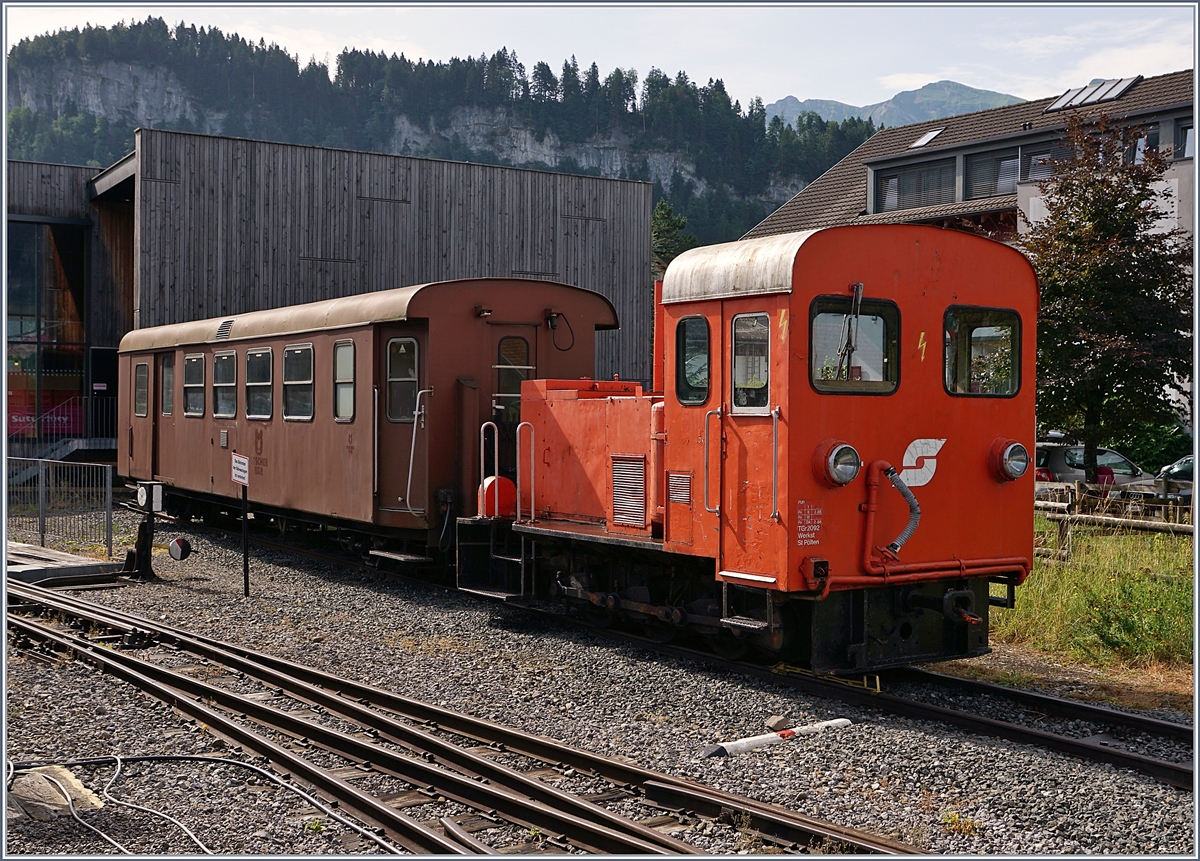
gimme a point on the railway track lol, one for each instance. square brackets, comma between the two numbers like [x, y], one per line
[437, 755]
[1100, 734]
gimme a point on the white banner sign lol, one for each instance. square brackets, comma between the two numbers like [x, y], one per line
[241, 470]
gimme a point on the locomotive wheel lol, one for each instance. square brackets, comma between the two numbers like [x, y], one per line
[727, 646]
[597, 617]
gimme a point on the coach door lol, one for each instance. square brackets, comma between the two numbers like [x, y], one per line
[141, 418]
[753, 551]
[163, 415]
[514, 359]
[404, 406]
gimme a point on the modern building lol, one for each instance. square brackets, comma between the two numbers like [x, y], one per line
[981, 168]
[193, 226]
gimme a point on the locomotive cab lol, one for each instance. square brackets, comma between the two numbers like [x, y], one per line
[835, 466]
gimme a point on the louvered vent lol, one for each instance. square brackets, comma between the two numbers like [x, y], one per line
[679, 487]
[629, 490]
[224, 329]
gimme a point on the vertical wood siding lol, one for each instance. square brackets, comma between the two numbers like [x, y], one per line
[228, 226]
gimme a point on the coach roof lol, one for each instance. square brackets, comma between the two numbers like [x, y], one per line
[749, 267]
[359, 310]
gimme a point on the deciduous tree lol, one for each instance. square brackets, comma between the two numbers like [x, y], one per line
[1115, 327]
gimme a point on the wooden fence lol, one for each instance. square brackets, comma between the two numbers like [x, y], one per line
[1113, 508]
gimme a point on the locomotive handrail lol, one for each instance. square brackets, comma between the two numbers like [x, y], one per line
[532, 468]
[418, 422]
[775, 465]
[717, 510]
[495, 462]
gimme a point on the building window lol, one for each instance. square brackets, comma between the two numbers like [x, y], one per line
[855, 350]
[983, 351]
[141, 390]
[927, 184]
[1039, 161]
[991, 174]
[224, 386]
[258, 384]
[691, 360]
[168, 384]
[343, 381]
[751, 362]
[193, 385]
[47, 341]
[298, 382]
[401, 379]
[1185, 139]
[1148, 141]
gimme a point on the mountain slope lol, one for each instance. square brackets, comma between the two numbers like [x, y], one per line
[930, 102]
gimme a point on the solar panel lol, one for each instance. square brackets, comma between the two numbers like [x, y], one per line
[1101, 91]
[1063, 99]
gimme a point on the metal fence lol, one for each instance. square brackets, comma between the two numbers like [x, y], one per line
[84, 417]
[70, 502]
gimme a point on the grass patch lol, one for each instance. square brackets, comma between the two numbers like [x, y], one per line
[1123, 600]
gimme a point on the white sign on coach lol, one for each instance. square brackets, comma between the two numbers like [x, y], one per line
[241, 470]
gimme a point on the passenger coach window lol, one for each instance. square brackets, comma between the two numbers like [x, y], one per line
[224, 386]
[258, 384]
[168, 384]
[691, 360]
[343, 381]
[401, 379]
[141, 389]
[193, 385]
[751, 362]
[298, 382]
[855, 349]
[983, 349]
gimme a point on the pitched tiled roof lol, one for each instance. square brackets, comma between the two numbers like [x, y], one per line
[839, 196]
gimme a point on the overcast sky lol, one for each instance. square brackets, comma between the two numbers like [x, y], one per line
[854, 53]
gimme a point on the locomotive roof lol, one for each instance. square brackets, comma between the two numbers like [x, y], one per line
[359, 310]
[748, 267]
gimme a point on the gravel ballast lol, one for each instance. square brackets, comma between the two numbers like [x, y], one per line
[927, 784]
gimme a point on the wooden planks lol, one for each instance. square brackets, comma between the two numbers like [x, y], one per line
[228, 226]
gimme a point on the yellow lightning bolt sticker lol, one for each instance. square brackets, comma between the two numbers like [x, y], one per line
[921, 345]
[783, 324]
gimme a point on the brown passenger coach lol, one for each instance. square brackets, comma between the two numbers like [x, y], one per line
[363, 411]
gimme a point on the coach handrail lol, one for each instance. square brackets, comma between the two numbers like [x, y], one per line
[495, 462]
[717, 510]
[532, 468]
[375, 424]
[775, 465]
[418, 422]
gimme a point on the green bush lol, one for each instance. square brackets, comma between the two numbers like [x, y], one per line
[1153, 446]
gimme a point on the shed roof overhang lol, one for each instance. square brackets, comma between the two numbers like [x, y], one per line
[116, 182]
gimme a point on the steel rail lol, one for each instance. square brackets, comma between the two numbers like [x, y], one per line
[476, 781]
[316, 689]
[1050, 705]
[401, 829]
[799, 829]
[1179, 775]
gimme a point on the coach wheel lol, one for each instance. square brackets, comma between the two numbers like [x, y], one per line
[658, 632]
[597, 617]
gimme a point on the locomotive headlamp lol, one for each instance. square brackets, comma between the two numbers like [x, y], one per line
[843, 464]
[835, 463]
[1009, 459]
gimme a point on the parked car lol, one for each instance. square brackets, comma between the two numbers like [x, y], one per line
[1179, 478]
[1056, 462]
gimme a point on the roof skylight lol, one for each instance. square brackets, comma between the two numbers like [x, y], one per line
[926, 138]
[1101, 91]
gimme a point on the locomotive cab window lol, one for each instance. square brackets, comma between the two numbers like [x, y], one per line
[983, 350]
[224, 385]
[193, 385]
[141, 389]
[298, 382]
[168, 384]
[855, 345]
[258, 384]
[343, 381]
[691, 360]
[751, 363]
[401, 379]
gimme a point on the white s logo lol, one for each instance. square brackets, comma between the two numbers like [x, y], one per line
[920, 461]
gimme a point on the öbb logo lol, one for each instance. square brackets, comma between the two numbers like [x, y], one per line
[920, 461]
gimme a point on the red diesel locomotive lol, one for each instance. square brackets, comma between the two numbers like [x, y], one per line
[833, 465]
